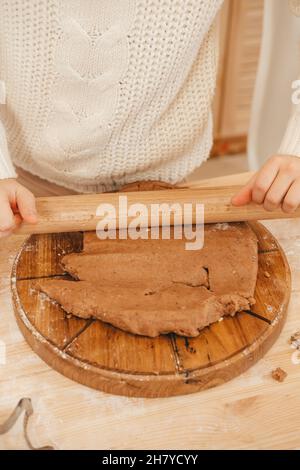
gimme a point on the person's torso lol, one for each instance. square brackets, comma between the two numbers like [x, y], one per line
[103, 88]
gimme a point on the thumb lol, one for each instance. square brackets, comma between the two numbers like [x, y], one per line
[26, 205]
[244, 195]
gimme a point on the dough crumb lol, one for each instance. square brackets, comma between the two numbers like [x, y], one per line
[279, 374]
[267, 275]
[295, 340]
[223, 226]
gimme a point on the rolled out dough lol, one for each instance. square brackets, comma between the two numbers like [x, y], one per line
[151, 287]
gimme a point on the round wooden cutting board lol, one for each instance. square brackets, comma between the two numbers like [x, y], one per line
[106, 358]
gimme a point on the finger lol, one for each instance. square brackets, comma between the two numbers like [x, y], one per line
[292, 199]
[18, 219]
[7, 220]
[244, 196]
[278, 190]
[26, 205]
[264, 180]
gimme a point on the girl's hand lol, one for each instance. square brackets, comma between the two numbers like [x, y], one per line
[16, 204]
[276, 184]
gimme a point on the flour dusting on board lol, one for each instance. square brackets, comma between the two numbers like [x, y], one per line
[29, 247]
[45, 299]
[291, 248]
[256, 375]
[223, 226]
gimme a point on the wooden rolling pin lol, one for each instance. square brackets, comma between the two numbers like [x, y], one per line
[78, 212]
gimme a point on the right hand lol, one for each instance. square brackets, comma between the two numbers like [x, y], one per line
[16, 204]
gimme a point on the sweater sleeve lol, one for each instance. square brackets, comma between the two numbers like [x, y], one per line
[290, 144]
[6, 167]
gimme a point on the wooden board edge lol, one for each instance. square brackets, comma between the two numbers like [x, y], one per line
[13, 275]
[147, 386]
[151, 386]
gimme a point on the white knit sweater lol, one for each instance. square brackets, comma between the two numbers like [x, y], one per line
[104, 92]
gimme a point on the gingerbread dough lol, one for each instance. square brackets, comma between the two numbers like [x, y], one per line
[151, 287]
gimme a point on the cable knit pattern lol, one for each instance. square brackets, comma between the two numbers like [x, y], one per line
[104, 92]
[86, 91]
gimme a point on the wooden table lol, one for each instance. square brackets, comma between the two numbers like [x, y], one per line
[250, 412]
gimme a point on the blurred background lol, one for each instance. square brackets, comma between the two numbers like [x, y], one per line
[259, 61]
[241, 24]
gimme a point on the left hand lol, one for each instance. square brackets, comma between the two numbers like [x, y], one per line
[276, 184]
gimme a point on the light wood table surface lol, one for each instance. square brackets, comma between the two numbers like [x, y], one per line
[251, 412]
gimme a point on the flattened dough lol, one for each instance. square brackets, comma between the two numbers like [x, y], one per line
[151, 287]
